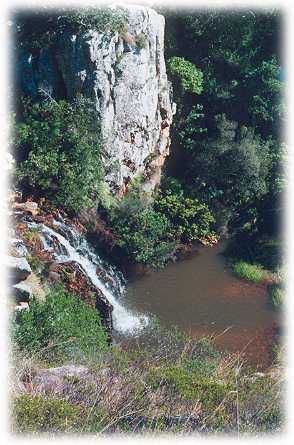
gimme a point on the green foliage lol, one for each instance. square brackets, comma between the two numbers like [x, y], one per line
[101, 19]
[190, 220]
[149, 232]
[266, 104]
[37, 414]
[141, 41]
[243, 80]
[230, 169]
[250, 272]
[143, 236]
[36, 263]
[238, 53]
[63, 326]
[256, 250]
[40, 28]
[61, 147]
[277, 295]
[190, 385]
[189, 77]
[192, 127]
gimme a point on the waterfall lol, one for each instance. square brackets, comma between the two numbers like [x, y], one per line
[74, 247]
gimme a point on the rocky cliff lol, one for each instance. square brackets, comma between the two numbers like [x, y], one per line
[124, 74]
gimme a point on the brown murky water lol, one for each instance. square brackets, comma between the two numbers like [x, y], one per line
[201, 296]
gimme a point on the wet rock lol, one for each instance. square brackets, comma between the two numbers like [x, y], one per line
[27, 207]
[22, 292]
[22, 306]
[53, 276]
[18, 268]
[17, 247]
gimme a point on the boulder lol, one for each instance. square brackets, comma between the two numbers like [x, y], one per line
[22, 292]
[18, 247]
[22, 306]
[26, 207]
[18, 268]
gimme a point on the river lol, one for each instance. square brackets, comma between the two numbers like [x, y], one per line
[201, 296]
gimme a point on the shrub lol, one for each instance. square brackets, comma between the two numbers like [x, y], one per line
[277, 294]
[191, 386]
[189, 77]
[250, 272]
[189, 219]
[36, 263]
[228, 170]
[141, 41]
[101, 19]
[62, 326]
[61, 149]
[143, 235]
[36, 414]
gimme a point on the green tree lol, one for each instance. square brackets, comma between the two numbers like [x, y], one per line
[61, 151]
[229, 171]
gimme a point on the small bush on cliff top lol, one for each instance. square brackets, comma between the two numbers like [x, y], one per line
[40, 29]
[60, 147]
[63, 326]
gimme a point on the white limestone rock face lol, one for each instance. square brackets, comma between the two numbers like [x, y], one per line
[129, 86]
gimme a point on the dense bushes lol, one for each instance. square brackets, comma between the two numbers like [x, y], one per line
[62, 326]
[60, 152]
[230, 169]
[227, 138]
[186, 74]
[144, 236]
[189, 219]
[149, 232]
[37, 414]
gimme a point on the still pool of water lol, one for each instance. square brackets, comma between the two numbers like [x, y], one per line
[201, 296]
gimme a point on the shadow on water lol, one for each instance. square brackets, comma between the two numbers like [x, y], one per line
[202, 297]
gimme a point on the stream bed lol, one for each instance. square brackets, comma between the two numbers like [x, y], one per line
[202, 297]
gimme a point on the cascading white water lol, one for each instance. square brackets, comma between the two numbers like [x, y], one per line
[78, 250]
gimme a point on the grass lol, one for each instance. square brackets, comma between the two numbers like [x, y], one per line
[251, 272]
[172, 384]
[277, 295]
[62, 326]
